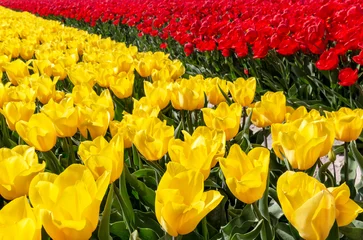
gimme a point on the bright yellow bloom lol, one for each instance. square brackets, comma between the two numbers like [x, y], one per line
[125, 63]
[180, 202]
[94, 120]
[122, 128]
[16, 111]
[3, 93]
[45, 88]
[64, 116]
[246, 175]
[104, 100]
[198, 151]
[69, 203]
[307, 204]
[82, 73]
[20, 93]
[301, 112]
[122, 85]
[43, 67]
[152, 137]
[346, 209]
[271, 109]
[16, 71]
[302, 141]
[348, 124]
[145, 66]
[224, 117]
[100, 156]
[243, 91]
[38, 132]
[213, 92]
[187, 94]
[19, 222]
[18, 166]
[143, 108]
[158, 93]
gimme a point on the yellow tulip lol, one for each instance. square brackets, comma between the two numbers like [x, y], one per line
[43, 67]
[16, 111]
[271, 109]
[122, 85]
[125, 63]
[145, 66]
[243, 91]
[27, 51]
[38, 132]
[20, 93]
[198, 151]
[122, 128]
[80, 93]
[82, 73]
[19, 222]
[18, 166]
[301, 112]
[143, 108]
[63, 115]
[224, 117]
[16, 71]
[307, 204]
[103, 100]
[213, 92]
[4, 60]
[3, 93]
[94, 120]
[69, 203]
[346, 209]
[45, 88]
[348, 124]
[158, 93]
[152, 137]
[180, 202]
[302, 141]
[246, 175]
[100, 156]
[187, 94]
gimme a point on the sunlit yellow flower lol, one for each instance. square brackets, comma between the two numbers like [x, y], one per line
[181, 202]
[246, 175]
[46, 89]
[224, 117]
[82, 73]
[20, 93]
[94, 120]
[213, 92]
[187, 95]
[143, 108]
[16, 111]
[69, 203]
[271, 109]
[307, 204]
[158, 93]
[122, 128]
[100, 156]
[243, 91]
[198, 151]
[19, 222]
[122, 85]
[64, 116]
[16, 71]
[38, 132]
[348, 123]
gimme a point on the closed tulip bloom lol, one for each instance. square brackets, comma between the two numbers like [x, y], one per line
[38, 132]
[243, 91]
[82, 74]
[145, 66]
[213, 92]
[18, 221]
[100, 156]
[3, 93]
[302, 141]
[307, 204]
[103, 100]
[16, 71]
[301, 112]
[187, 95]
[246, 175]
[143, 108]
[180, 202]
[271, 109]
[348, 124]
[45, 88]
[122, 85]
[158, 93]
[224, 117]
[198, 151]
[43, 67]
[18, 166]
[20, 93]
[16, 111]
[152, 137]
[94, 120]
[125, 63]
[64, 116]
[69, 203]
[346, 209]
[122, 128]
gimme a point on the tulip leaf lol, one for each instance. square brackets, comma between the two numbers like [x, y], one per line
[225, 95]
[356, 154]
[353, 230]
[144, 234]
[334, 232]
[104, 226]
[147, 195]
[145, 172]
[136, 157]
[119, 229]
[148, 220]
[284, 231]
[250, 235]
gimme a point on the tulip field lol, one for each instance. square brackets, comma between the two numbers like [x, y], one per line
[170, 119]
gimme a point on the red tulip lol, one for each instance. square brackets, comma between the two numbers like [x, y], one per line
[347, 76]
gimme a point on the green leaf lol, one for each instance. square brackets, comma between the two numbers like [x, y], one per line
[353, 231]
[147, 234]
[250, 235]
[147, 195]
[225, 95]
[119, 229]
[283, 230]
[145, 172]
[334, 232]
[148, 220]
[356, 154]
[104, 226]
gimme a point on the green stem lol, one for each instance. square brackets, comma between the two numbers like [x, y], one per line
[155, 165]
[52, 162]
[120, 199]
[244, 115]
[265, 138]
[182, 119]
[205, 228]
[257, 211]
[346, 165]
[189, 120]
[69, 146]
[5, 132]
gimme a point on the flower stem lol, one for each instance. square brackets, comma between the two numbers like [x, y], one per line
[52, 162]
[346, 164]
[244, 115]
[189, 120]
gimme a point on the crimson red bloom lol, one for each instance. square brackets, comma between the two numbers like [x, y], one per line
[359, 58]
[328, 60]
[163, 45]
[347, 76]
[188, 49]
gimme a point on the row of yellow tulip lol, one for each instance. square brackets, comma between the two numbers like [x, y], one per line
[73, 81]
